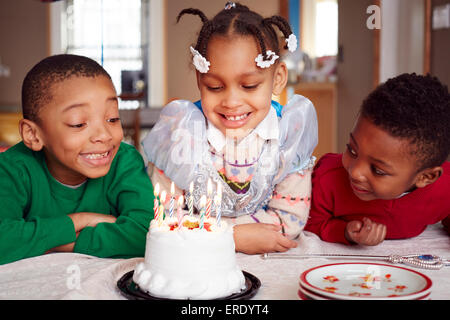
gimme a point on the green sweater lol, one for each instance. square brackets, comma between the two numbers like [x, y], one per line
[34, 207]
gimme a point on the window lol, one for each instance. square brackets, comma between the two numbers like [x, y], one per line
[115, 34]
[326, 28]
[319, 27]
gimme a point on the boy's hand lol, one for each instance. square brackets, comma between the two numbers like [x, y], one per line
[82, 220]
[254, 238]
[367, 232]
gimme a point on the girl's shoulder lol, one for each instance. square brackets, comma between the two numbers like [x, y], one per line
[177, 110]
[298, 104]
[298, 123]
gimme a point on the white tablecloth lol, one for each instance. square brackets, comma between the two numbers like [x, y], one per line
[77, 276]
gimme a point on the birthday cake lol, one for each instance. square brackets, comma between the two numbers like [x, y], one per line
[189, 258]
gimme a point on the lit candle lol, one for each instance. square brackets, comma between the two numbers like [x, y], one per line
[161, 214]
[179, 213]
[191, 199]
[217, 203]
[219, 190]
[172, 200]
[156, 202]
[161, 207]
[202, 211]
[208, 200]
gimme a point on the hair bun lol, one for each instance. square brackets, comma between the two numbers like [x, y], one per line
[241, 7]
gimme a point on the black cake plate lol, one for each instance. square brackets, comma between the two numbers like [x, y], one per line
[131, 290]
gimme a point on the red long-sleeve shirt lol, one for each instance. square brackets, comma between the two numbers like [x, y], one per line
[333, 204]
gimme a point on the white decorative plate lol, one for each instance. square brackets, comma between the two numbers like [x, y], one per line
[310, 295]
[366, 281]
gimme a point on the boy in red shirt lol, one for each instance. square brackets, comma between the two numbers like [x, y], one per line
[393, 179]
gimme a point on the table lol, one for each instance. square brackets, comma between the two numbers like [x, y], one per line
[76, 276]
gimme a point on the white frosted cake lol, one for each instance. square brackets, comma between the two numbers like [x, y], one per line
[189, 262]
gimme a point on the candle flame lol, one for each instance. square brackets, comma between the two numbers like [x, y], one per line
[156, 191]
[217, 199]
[163, 196]
[219, 190]
[172, 188]
[180, 201]
[191, 187]
[203, 201]
[209, 187]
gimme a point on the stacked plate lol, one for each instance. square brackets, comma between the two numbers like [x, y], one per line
[363, 281]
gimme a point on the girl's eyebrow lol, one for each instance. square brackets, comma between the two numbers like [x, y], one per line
[243, 75]
[252, 73]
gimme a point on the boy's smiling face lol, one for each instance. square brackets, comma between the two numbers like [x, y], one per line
[236, 94]
[379, 165]
[80, 128]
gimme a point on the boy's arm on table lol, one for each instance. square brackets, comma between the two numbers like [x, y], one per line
[80, 221]
[20, 238]
[446, 223]
[132, 194]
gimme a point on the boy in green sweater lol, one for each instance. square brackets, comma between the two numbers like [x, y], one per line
[71, 185]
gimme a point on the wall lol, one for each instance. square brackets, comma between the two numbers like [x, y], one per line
[181, 73]
[402, 37]
[157, 56]
[308, 17]
[24, 42]
[355, 64]
[440, 50]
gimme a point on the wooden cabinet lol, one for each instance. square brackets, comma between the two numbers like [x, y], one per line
[9, 128]
[323, 96]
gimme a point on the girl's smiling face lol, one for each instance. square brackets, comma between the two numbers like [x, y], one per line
[80, 129]
[236, 94]
[379, 165]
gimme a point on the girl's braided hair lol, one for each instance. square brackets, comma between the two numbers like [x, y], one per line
[240, 20]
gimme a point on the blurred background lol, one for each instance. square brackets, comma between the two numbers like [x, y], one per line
[347, 48]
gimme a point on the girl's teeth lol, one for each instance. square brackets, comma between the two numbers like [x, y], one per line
[96, 155]
[236, 118]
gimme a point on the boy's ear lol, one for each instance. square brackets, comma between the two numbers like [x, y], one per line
[428, 176]
[280, 78]
[31, 134]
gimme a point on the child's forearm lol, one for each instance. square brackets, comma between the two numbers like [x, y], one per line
[327, 227]
[20, 239]
[65, 247]
[291, 202]
[82, 220]
[446, 223]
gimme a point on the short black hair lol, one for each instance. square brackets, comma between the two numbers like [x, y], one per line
[239, 19]
[36, 87]
[416, 108]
